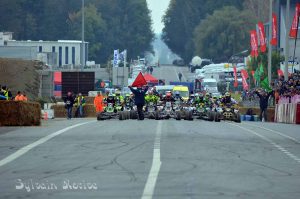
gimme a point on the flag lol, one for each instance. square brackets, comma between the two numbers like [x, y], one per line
[280, 73]
[139, 81]
[294, 27]
[235, 77]
[123, 55]
[257, 75]
[262, 37]
[265, 84]
[244, 79]
[254, 45]
[252, 73]
[116, 58]
[274, 30]
[261, 70]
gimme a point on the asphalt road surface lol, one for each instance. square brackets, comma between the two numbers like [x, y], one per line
[83, 158]
[170, 73]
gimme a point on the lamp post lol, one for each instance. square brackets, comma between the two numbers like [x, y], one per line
[270, 46]
[287, 46]
[82, 38]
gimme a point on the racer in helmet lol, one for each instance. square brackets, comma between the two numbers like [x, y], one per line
[227, 99]
[178, 96]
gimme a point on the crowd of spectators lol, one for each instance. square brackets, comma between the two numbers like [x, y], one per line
[6, 94]
[289, 89]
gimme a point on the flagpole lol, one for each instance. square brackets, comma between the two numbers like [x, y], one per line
[295, 44]
[270, 46]
[287, 17]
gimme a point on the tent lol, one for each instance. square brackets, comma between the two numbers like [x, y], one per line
[150, 79]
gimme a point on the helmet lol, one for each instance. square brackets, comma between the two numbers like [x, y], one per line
[227, 94]
[168, 94]
[201, 95]
[150, 92]
[197, 94]
[177, 93]
[127, 95]
[118, 92]
[207, 94]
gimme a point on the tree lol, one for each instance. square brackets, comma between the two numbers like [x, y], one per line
[259, 8]
[223, 34]
[95, 28]
[181, 19]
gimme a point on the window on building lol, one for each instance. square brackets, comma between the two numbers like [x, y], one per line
[60, 56]
[40, 49]
[67, 55]
[73, 55]
[53, 49]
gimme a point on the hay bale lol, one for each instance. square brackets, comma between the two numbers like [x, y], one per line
[256, 111]
[14, 113]
[60, 111]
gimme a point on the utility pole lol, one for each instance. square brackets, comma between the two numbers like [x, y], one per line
[269, 42]
[287, 46]
[82, 37]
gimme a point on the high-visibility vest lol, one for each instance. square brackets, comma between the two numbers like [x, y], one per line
[5, 94]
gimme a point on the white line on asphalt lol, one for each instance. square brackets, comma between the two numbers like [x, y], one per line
[27, 148]
[280, 148]
[276, 132]
[156, 164]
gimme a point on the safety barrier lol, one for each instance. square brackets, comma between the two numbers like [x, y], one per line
[287, 113]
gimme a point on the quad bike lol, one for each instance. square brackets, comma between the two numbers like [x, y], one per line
[170, 111]
[228, 112]
[151, 111]
[204, 112]
[130, 111]
[110, 112]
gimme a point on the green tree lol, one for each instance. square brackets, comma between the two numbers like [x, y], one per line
[181, 19]
[95, 28]
[223, 34]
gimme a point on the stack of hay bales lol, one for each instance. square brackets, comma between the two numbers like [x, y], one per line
[256, 111]
[14, 113]
[89, 110]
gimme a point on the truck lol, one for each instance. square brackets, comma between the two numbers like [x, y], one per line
[190, 85]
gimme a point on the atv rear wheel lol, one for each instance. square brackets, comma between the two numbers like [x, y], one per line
[238, 118]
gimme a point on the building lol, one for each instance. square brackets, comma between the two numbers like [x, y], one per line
[53, 53]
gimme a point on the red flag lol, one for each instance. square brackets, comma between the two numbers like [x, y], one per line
[139, 81]
[244, 79]
[254, 45]
[280, 73]
[262, 37]
[235, 77]
[274, 30]
[293, 31]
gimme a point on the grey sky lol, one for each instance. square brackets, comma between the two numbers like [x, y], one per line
[158, 9]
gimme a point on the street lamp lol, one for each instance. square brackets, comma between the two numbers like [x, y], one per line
[240, 53]
[82, 38]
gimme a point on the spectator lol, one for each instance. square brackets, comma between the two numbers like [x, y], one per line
[19, 96]
[180, 76]
[151, 70]
[80, 103]
[69, 102]
[4, 93]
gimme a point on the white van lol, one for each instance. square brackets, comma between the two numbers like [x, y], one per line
[210, 85]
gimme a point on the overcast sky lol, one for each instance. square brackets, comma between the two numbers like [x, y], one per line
[158, 9]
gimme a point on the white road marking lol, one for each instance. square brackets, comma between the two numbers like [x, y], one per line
[276, 132]
[27, 148]
[280, 148]
[156, 164]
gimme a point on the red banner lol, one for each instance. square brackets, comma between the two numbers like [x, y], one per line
[254, 45]
[262, 37]
[235, 77]
[244, 79]
[274, 30]
[293, 31]
[280, 73]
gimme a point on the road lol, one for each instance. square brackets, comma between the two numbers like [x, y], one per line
[170, 73]
[83, 158]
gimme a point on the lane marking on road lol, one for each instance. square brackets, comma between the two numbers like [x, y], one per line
[27, 148]
[276, 132]
[280, 148]
[156, 164]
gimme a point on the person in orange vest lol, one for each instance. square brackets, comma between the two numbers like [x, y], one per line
[98, 103]
[19, 96]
